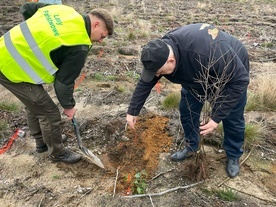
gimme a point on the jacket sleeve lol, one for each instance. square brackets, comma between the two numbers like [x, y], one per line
[140, 95]
[65, 94]
[70, 61]
[237, 80]
[29, 9]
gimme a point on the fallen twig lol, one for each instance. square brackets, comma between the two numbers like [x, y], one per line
[240, 165]
[156, 176]
[270, 150]
[166, 191]
[41, 200]
[31, 194]
[108, 94]
[151, 201]
[126, 66]
[87, 192]
[114, 190]
[148, 100]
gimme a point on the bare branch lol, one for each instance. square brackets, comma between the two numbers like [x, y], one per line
[164, 192]
[115, 185]
[156, 176]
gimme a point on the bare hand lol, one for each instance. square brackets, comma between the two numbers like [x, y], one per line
[70, 113]
[208, 128]
[131, 120]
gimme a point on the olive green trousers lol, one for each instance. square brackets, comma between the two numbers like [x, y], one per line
[43, 115]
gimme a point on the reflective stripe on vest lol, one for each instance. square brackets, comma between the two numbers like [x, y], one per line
[37, 52]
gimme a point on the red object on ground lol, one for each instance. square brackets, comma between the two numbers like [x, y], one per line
[81, 78]
[158, 87]
[10, 142]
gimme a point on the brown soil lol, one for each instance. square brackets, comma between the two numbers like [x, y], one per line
[30, 179]
[140, 151]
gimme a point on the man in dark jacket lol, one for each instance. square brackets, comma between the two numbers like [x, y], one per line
[50, 46]
[211, 66]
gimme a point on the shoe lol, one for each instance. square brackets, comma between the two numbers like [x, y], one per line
[43, 147]
[232, 167]
[181, 155]
[66, 156]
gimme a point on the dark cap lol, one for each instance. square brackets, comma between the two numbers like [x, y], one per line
[153, 56]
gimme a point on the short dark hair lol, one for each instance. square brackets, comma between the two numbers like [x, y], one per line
[106, 17]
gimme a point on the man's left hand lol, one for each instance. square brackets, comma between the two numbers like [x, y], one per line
[208, 128]
[70, 113]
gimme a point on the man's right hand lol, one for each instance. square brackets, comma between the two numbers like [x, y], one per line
[131, 120]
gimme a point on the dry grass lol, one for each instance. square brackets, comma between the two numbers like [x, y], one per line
[262, 94]
[8, 101]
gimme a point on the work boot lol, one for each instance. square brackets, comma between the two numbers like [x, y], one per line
[181, 155]
[66, 156]
[42, 147]
[232, 167]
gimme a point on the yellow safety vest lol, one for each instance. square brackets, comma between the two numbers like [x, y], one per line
[25, 49]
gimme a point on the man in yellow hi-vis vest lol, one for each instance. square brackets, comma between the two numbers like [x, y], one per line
[50, 46]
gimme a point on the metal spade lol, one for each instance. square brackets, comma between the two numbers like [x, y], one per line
[88, 154]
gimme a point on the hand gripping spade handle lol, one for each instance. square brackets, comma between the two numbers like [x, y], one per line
[88, 154]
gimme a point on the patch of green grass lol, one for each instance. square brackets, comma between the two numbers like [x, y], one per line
[98, 76]
[133, 75]
[120, 88]
[252, 134]
[171, 101]
[111, 77]
[227, 195]
[207, 192]
[9, 105]
[267, 44]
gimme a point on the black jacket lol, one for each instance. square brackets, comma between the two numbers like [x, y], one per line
[68, 59]
[195, 50]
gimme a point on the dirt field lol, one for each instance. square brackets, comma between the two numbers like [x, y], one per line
[30, 179]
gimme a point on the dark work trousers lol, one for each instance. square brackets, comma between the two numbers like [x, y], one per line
[42, 113]
[234, 125]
